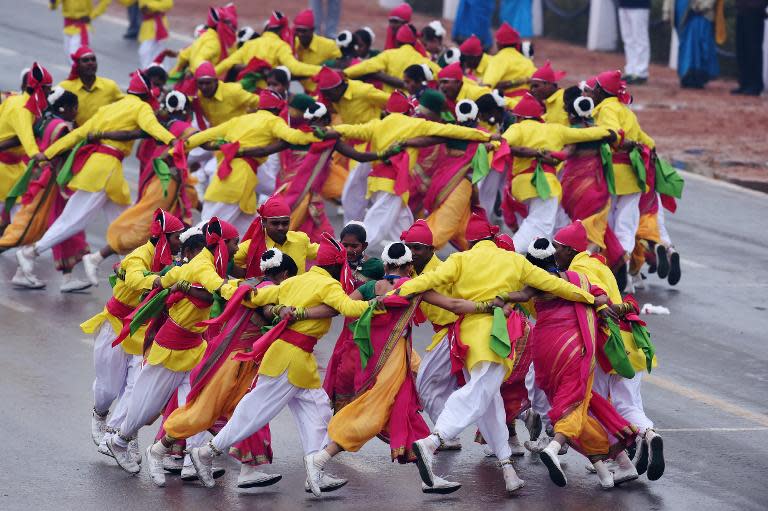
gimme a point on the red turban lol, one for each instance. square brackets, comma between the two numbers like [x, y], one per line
[419, 232]
[478, 228]
[332, 252]
[506, 35]
[278, 20]
[611, 82]
[227, 34]
[529, 107]
[574, 236]
[138, 84]
[398, 103]
[81, 52]
[405, 35]
[305, 19]
[546, 74]
[205, 70]
[274, 207]
[472, 46]
[451, 72]
[37, 78]
[270, 100]
[217, 232]
[164, 223]
[402, 12]
[327, 78]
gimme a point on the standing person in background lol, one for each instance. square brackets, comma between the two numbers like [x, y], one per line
[154, 29]
[327, 14]
[475, 16]
[698, 24]
[134, 18]
[633, 23]
[519, 14]
[78, 15]
[750, 30]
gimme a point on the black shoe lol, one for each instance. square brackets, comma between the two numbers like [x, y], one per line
[132, 36]
[621, 277]
[674, 269]
[662, 261]
[641, 461]
[656, 458]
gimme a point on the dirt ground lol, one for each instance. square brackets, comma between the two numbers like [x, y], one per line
[708, 131]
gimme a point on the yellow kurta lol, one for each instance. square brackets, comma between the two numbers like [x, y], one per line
[479, 274]
[128, 291]
[613, 114]
[206, 48]
[392, 62]
[16, 121]
[601, 276]
[508, 65]
[550, 137]
[360, 103]
[320, 50]
[314, 287]
[253, 130]
[76, 9]
[103, 92]
[229, 101]
[103, 171]
[555, 106]
[200, 270]
[471, 90]
[270, 48]
[439, 317]
[297, 245]
[148, 29]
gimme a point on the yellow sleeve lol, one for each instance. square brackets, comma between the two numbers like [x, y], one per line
[114, 92]
[494, 72]
[209, 135]
[148, 122]
[182, 60]
[236, 58]
[376, 96]
[157, 5]
[171, 277]
[443, 275]
[436, 129]
[264, 296]
[249, 101]
[609, 118]
[296, 67]
[645, 139]
[69, 140]
[312, 249]
[21, 120]
[228, 289]
[209, 279]
[536, 277]
[281, 130]
[366, 67]
[134, 274]
[100, 8]
[575, 135]
[334, 296]
[241, 256]
[208, 50]
[358, 131]
[513, 135]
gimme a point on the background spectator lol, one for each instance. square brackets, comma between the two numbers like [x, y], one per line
[327, 14]
[694, 20]
[750, 28]
[633, 24]
[475, 16]
[518, 13]
[134, 19]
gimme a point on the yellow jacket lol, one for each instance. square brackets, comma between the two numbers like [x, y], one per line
[148, 29]
[200, 270]
[230, 100]
[392, 62]
[508, 65]
[613, 114]
[297, 245]
[321, 49]
[206, 48]
[437, 316]
[103, 92]
[471, 90]
[76, 9]
[128, 291]
[479, 274]
[253, 130]
[270, 48]
[16, 121]
[103, 171]
[312, 288]
[360, 103]
[538, 135]
[555, 106]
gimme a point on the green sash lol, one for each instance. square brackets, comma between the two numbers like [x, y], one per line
[361, 333]
[668, 181]
[615, 351]
[500, 343]
[638, 165]
[149, 310]
[607, 158]
[539, 181]
[163, 173]
[20, 187]
[643, 341]
[65, 174]
[479, 163]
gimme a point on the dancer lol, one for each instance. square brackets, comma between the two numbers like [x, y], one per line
[77, 21]
[93, 91]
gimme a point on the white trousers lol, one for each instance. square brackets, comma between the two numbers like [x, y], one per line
[311, 410]
[353, 196]
[434, 381]
[386, 220]
[633, 24]
[148, 50]
[72, 43]
[80, 211]
[624, 219]
[537, 397]
[114, 369]
[540, 222]
[121, 409]
[625, 395]
[205, 173]
[267, 175]
[154, 387]
[488, 190]
[661, 218]
[561, 219]
[228, 212]
[478, 401]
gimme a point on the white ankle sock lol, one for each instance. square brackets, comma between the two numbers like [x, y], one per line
[554, 446]
[158, 449]
[321, 458]
[623, 460]
[435, 440]
[96, 257]
[602, 472]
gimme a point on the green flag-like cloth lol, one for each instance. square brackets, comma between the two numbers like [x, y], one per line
[219, 304]
[539, 181]
[20, 187]
[480, 166]
[607, 158]
[500, 343]
[163, 173]
[668, 181]
[175, 77]
[361, 333]
[638, 165]
[250, 80]
[65, 173]
[615, 351]
[643, 341]
[149, 310]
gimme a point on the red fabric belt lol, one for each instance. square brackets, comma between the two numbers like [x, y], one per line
[118, 309]
[89, 150]
[173, 337]
[621, 157]
[10, 158]
[82, 25]
[160, 31]
[549, 169]
[303, 341]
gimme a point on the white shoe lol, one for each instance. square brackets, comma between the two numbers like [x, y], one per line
[552, 462]
[25, 256]
[98, 427]
[189, 474]
[512, 481]
[74, 285]
[155, 454]
[133, 450]
[441, 486]
[517, 449]
[122, 457]
[250, 477]
[604, 475]
[313, 474]
[425, 455]
[611, 465]
[21, 279]
[202, 459]
[623, 475]
[328, 483]
[91, 268]
[103, 449]
[538, 445]
[174, 465]
[454, 444]
[488, 452]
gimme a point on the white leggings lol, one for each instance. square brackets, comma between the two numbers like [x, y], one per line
[386, 219]
[229, 213]
[116, 371]
[434, 381]
[625, 395]
[353, 196]
[488, 189]
[540, 222]
[625, 219]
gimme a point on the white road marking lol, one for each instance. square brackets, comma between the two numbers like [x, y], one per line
[15, 306]
[704, 430]
[7, 52]
[692, 264]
